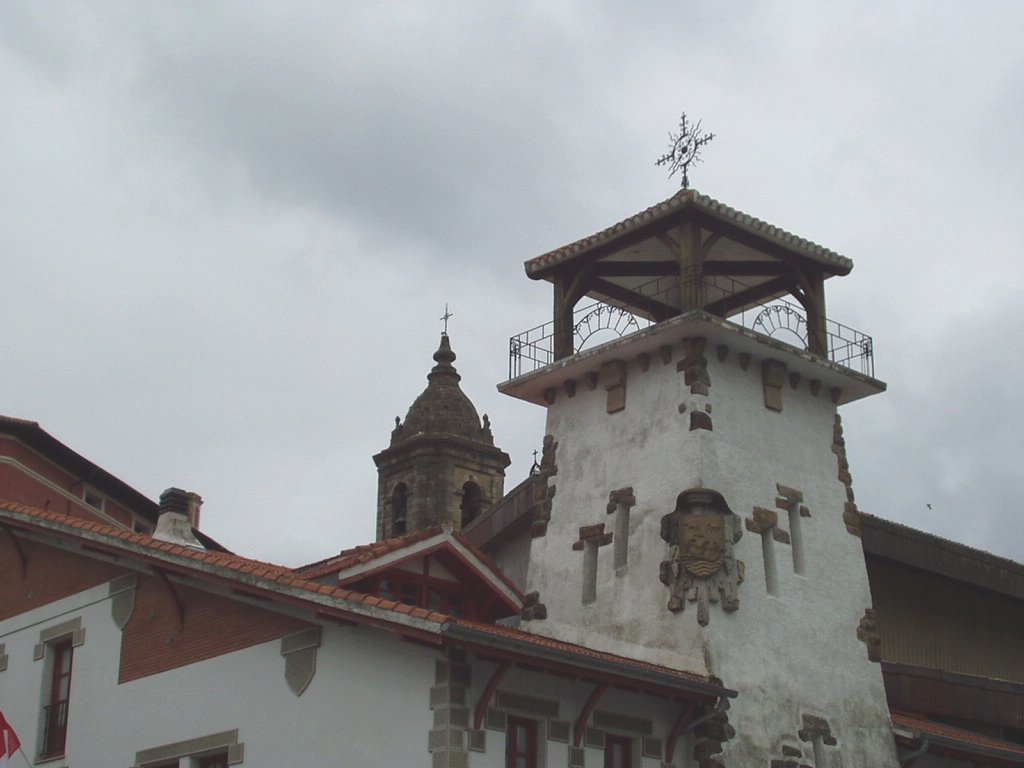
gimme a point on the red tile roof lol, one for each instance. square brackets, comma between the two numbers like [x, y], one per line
[364, 553]
[954, 738]
[367, 553]
[33, 435]
[281, 580]
[692, 198]
[228, 564]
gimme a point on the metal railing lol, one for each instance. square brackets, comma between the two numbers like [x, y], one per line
[777, 319]
[55, 728]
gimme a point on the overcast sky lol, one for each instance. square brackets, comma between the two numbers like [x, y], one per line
[228, 230]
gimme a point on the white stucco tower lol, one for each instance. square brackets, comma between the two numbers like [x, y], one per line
[700, 512]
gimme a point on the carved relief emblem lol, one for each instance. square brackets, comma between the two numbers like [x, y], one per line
[700, 567]
[702, 544]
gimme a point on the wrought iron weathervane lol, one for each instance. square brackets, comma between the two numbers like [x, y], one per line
[684, 149]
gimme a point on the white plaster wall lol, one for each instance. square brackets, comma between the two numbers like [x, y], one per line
[94, 666]
[788, 654]
[368, 704]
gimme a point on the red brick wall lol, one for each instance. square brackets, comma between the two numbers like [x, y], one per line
[52, 574]
[16, 485]
[153, 642]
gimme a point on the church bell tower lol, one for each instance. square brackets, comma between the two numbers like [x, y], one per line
[442, 466]
[704, 518]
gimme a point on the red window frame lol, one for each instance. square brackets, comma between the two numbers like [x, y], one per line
[55, 713]
[217, 760]
[520, 743]
[618, 751]
[425, 592]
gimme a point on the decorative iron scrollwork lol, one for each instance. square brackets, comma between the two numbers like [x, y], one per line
[781, 317]
[604, 317]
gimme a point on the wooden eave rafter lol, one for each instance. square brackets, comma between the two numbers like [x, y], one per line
[179, 604]
[763, 244]
[22, 558]
[756, 295]
[480, 710]
[586, 712]
[657, 310]
[678, 729]
[658, 228]
[580, 672]
[635, 268]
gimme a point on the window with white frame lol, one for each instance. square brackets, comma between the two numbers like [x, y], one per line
[56, 649]
[217, 750]
[93, 498]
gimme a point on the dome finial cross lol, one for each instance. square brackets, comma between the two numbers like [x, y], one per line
[445, 317]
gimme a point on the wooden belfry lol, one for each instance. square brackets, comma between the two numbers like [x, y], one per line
[689, 252]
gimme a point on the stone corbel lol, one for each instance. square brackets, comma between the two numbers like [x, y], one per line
[122, 598]
[299, 651]
[773, 375]
[613, 378]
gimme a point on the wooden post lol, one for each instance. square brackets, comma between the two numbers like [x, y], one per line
[692, 294]
[817, 328]
[563, 319]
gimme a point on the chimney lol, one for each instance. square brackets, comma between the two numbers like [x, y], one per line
[195, 501]
[174, 524]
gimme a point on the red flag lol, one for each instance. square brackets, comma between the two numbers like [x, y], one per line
[9, 741]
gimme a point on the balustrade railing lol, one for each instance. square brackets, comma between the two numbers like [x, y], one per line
[778, 319]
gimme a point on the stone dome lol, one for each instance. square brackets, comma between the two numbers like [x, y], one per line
[443, 408]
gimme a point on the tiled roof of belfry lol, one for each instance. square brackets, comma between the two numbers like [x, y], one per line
[678, 202]
[288, 583]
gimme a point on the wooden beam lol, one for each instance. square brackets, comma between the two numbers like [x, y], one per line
[746, 268]
[569, 288]
[17, 548]
[763, 244]
[616, 244]
[684, 719]
[723, 307]
[588, 709]
[813, 300]
[480, 711]
[710, 242]
[175, 598]
[692, 289]
[635, 268]
[653, 308]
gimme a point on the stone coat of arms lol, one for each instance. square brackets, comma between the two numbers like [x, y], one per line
[700, 567]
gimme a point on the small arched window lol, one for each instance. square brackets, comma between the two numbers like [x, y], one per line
[399, 511]
[472, 502]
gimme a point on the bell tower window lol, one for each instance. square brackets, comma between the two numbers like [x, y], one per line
[472, 503]
[399, 510]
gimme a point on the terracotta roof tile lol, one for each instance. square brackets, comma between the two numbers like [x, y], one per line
[967, 738]
[364, 553]
[238, 566]
[367, 553]
[233, 564]
[680, 200]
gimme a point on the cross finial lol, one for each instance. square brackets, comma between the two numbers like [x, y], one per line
[445, 317]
